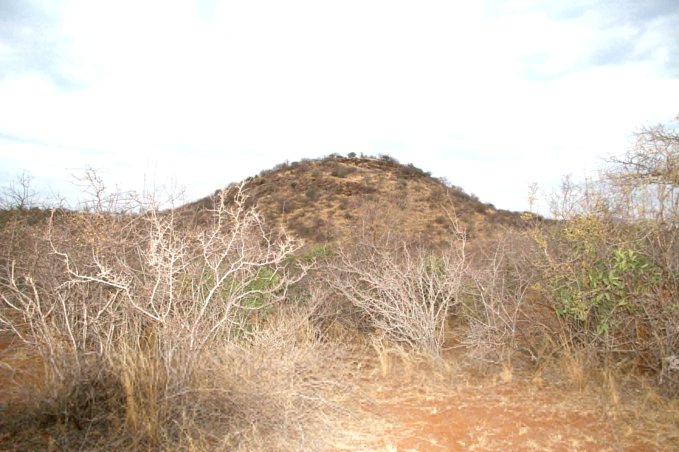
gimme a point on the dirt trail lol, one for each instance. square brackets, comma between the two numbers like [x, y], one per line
[503, 417]
[454, 408]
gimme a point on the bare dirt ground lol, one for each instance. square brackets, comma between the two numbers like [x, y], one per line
[486, 417]
[457, 410]
[426, 408]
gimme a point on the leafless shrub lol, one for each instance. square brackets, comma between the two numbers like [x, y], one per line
[645, 180]
[136, 300]
[280, 388]
[19, 193]
[573, 199]
[493, 305]
[403, 290]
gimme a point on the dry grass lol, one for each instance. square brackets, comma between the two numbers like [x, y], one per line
[453, 407]
[326, 200]
[281, 389]
[154, 336]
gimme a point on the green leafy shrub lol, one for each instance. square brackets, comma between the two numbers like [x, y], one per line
[613, 286]
[602, 293]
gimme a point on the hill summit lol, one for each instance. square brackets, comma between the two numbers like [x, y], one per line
[329, 199]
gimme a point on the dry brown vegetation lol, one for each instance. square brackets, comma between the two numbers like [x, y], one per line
[327, 200]
[414, 317]
[149, 335]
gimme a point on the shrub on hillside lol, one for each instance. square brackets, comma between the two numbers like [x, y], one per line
[494, 302]
[151, 332]
[341, 171]
[610, 268]
[404, 291]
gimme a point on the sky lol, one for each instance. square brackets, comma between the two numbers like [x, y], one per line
[492, 95]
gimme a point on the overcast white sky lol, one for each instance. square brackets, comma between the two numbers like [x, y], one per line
[492, 95]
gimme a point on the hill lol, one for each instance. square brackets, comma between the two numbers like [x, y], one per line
[327, 199]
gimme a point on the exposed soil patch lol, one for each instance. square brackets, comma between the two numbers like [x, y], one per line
[494, 418]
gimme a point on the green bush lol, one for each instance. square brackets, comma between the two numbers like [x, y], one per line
[604, 293]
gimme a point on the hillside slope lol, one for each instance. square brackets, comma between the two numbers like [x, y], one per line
[329, 199]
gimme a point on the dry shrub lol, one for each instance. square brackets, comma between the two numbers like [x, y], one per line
[403, 290]
[494, 301]
[281, 388]
[153, 334]
[285, 389]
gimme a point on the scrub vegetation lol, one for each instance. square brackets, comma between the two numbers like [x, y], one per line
[346, 303]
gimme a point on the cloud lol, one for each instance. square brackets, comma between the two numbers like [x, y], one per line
[632, 11]
[637, 32]
[32, 42]
[206, 9]
[557, 39]
[210, 92]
